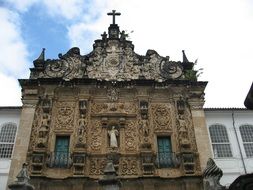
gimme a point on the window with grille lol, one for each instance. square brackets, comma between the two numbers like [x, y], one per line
[247, 138]
[165, 154]
[220, 141]
[7, 139]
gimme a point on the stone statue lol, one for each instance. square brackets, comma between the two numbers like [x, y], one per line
[113, 133]
[212, 175]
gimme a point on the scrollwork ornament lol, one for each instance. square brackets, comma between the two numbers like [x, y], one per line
[170, 69]
[67, 67]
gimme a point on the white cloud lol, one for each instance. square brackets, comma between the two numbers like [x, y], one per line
[68, 9]
[21, 5]
[10, 91]
[13, 54]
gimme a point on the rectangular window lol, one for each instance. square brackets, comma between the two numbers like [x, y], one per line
[165, 155]
[61, 153]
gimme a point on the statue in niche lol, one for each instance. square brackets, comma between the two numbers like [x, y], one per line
[183, 133]
[45, 120]
[82, 125]
[113, 133]
[182, 123]
[145, 128]
[81, 132]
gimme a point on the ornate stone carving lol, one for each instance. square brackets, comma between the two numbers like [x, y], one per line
[100, 108]
[69, 66]
[170, 69]
[112, 60]
[129, 166]
[65, 115]
[191, 133]
[162, 117]
[35, 128]
[130, 137]
[81, 132]
[183, 133]
[95, 138]
[97, 166]
[144, 131]
[113, 93]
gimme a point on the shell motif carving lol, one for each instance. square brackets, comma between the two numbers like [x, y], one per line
[162, 117]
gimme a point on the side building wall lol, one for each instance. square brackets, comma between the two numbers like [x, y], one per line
[237, 163]
[9, 118]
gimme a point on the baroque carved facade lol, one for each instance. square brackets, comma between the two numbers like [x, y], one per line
[144, 99]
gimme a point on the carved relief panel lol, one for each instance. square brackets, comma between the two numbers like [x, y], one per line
[131, 137]
[64, 115]
[162, 117]
[129, 166]
[95, 136]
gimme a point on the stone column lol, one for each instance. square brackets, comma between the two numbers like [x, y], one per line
[201, 133]
[30, 101]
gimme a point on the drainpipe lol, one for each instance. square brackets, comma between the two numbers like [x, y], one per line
[237, 139]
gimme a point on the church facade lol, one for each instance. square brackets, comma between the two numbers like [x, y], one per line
[144, 113]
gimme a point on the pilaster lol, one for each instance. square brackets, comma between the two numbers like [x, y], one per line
[24, 131]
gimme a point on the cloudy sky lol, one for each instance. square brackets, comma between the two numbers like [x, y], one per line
[219, 33]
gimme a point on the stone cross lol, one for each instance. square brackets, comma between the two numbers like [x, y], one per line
[113, 14]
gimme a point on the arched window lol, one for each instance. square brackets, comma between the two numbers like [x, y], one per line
[7, 139]
[247, 138]
[220, 141]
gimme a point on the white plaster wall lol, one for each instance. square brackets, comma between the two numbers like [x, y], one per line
[7, 115]
[232, 167]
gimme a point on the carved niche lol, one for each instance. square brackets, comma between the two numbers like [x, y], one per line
[162, 119]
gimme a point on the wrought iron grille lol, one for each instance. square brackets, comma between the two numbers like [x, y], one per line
[59, 159]
[167, 160]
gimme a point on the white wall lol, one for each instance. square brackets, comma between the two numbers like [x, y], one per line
[7, 115]
[232, 167]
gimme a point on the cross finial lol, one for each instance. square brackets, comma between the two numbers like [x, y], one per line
[113, 14]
